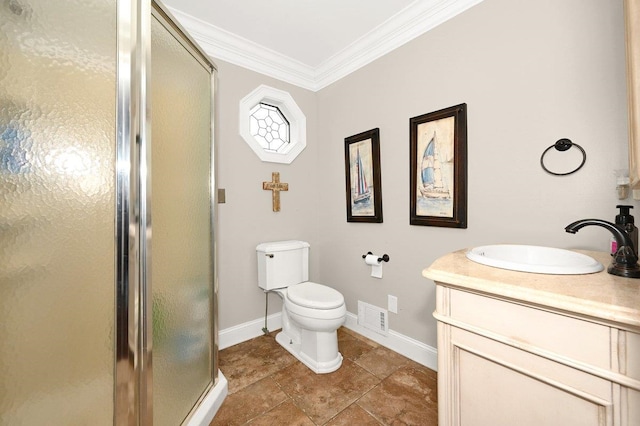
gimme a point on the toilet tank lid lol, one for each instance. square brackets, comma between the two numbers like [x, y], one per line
[275, 246]
[314, 295]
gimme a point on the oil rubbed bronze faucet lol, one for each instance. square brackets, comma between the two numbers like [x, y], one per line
[625, 261]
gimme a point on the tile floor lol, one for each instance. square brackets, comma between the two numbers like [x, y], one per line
[374, 386]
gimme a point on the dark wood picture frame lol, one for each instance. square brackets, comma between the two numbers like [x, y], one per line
[363, 179]
[438, 168]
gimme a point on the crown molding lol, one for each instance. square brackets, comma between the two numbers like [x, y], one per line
[229, 47]
[411, 22]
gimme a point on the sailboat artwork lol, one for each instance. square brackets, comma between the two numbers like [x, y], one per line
[438, 168]
[433, 185]
[362, 173]
[362, 193]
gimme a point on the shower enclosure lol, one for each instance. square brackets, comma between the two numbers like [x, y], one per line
[108, 285]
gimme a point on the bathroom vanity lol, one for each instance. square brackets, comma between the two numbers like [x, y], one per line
[517, 348]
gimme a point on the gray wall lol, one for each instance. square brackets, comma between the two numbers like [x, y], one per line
[531, 72]
[247, 219]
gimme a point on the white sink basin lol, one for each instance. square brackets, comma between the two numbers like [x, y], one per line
[540, 260]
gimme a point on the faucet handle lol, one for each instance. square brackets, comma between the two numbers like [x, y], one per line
[625, 263]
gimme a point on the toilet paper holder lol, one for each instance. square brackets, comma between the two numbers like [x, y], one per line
[385, 257]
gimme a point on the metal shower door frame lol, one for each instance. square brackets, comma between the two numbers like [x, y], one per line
[133, 364]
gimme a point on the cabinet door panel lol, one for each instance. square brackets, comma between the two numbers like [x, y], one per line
[632, 408]
[496, 385]
[632, 355]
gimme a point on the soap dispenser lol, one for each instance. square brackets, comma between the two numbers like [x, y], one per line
[625, 221]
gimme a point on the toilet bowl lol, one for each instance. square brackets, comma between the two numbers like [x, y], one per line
[311, 312]
[310, 333]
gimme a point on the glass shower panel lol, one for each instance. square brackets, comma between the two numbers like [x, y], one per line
[57, 173]
[181, 255]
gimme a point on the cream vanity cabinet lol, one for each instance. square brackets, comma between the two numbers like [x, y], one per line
[528, 349]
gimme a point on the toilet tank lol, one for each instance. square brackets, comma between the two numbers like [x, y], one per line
[282, 263]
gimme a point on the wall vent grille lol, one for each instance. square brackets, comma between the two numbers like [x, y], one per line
[373, 318]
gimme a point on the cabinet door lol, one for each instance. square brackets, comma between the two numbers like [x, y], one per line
[630, 410]
[492, 384]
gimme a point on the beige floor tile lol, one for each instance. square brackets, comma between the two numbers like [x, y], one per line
[374, 386]
[284, 414]
[251, 361]
[358, 336]
[353, 415]
[381, 361]
[322, 396]
[351, 347]
[408, 396]
[250, 402]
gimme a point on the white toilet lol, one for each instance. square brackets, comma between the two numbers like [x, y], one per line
[311, 312]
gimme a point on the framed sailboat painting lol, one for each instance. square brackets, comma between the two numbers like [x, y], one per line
[362, 170]
[438, 168]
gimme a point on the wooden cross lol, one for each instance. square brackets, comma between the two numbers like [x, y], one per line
[276, 187]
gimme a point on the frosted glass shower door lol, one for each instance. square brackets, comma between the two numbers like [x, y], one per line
[57, 206]
[181, 208]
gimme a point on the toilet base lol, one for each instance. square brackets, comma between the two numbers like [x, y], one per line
[296, 349]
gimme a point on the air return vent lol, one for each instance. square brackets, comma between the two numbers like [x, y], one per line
[373, 318]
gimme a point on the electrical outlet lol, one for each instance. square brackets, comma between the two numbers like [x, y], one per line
[393, 304]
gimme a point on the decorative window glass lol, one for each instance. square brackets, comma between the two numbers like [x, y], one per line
[269, 127]
[273, 125]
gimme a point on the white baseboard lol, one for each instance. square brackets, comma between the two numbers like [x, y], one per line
[247, 331]
[404, 345]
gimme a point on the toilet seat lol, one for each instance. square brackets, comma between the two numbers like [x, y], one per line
[315, 296]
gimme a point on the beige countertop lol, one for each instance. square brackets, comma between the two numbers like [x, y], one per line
[601, 296]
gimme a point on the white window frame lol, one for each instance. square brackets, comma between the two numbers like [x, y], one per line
[288, 107]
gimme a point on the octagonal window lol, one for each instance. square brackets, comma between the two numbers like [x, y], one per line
[273, 125]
